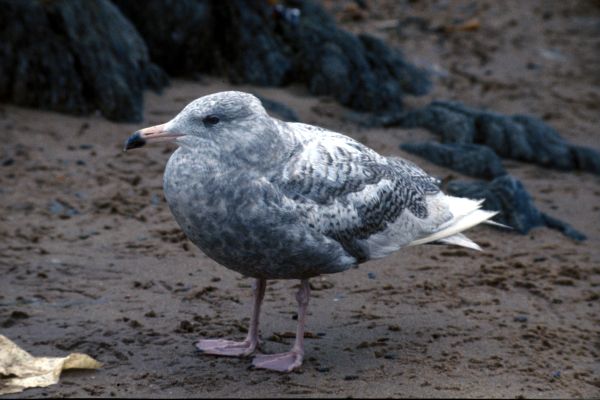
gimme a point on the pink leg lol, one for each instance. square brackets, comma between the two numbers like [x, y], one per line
[286, 362]
[222, 347]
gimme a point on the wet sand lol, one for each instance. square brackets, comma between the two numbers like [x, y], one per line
[92, 260]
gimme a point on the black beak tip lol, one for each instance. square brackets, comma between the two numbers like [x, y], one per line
[134, 141]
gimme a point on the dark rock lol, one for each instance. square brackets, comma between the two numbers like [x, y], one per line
[14, 317]
[454, 122]
[75, 57]
[359, 71]
[585, 159]
[567, 229]
[255, 42]
[556, 375]
[288, 14]
[470, 159]
[79, 57]
[541, 143]
[279, 109]
[179, 33]
[507, 195]
[520, 137]
[392, 69]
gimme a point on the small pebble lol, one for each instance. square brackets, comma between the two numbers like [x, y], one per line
[338, 297]
[19, 315]
[371, 275]
[520, 318]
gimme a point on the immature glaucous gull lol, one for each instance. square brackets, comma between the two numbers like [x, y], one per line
[280, 200]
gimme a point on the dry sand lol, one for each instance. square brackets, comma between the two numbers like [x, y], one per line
[92, 261]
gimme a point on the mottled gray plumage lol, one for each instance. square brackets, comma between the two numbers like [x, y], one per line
[272, 199]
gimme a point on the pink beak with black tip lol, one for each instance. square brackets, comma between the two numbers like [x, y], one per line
[156, 133]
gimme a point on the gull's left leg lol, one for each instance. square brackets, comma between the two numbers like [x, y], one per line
[286, 362]
[222, 347]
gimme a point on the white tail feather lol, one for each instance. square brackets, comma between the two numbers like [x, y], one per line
[498, 224]
[466, 214]
[461, 240]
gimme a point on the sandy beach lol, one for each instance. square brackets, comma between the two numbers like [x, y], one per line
[92, 261]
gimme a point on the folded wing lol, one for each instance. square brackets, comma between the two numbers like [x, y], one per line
[370, 204]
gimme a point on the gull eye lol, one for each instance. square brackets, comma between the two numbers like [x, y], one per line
[210, 120]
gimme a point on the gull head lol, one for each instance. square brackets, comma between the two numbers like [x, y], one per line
[220, 117]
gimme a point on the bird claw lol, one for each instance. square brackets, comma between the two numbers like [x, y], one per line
[281, 362]
[227, 348]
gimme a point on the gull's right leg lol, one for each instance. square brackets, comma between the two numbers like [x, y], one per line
[288, 361]
[222, 347]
